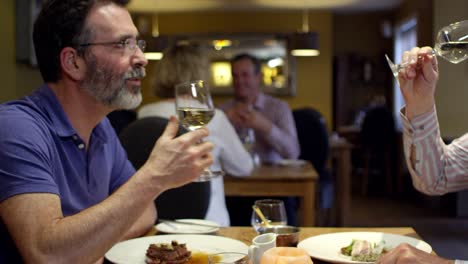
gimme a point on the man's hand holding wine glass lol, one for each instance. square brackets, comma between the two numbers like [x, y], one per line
[195, 109]
[177, 160]
[418, 80]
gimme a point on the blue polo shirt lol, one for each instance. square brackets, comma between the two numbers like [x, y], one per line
[40, 152]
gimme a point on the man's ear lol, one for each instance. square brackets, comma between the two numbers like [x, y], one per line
[72, 65]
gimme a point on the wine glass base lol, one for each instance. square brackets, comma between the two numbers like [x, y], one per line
[392, 66]
[207, 175]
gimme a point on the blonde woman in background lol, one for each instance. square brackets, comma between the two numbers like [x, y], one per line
[182, 63]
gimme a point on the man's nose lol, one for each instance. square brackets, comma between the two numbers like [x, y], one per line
[139, 58]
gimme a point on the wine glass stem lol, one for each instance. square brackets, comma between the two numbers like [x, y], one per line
[406, 64]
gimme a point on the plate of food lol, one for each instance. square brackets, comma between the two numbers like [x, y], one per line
[356, 247]
[193, 249]
[187, 226]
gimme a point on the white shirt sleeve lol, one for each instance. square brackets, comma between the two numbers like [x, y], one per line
[234, 158]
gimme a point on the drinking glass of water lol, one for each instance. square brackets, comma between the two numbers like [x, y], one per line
[273, 211]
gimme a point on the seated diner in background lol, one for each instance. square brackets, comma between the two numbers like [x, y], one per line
[270, 118]
[435, 168]
[186, 62]
[68, 192]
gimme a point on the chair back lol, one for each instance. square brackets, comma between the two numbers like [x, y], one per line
[120, 119]
[313, 139]
[378, 131]
[188, 201]
[379, 141]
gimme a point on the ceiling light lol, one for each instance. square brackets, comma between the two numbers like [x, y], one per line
[155, 47]
[273, 63]
[156, 44]
[153, 55]
[304, 43]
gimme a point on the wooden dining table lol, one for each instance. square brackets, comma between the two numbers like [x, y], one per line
[282, 181]
[246, 234]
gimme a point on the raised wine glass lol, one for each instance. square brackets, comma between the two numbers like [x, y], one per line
[451, 44]
[195, 109]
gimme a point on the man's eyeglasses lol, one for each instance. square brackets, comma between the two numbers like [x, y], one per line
[129, 44]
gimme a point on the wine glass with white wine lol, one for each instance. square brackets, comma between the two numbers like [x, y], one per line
[195, 109]
[451, 44]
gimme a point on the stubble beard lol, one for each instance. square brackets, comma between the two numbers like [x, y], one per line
[109, 87]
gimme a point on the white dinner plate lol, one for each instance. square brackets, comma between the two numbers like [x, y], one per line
[180, 228]
[134, 251]
[292, 162]
[327, 247]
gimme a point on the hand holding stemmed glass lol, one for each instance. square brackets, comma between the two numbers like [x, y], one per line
[451, 44]
[195, 109]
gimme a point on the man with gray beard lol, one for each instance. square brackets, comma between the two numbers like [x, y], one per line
[109, 87]
[67, 190]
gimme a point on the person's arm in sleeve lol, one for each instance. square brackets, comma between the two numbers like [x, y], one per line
[435, 168]
[234, 157]
[280, 133]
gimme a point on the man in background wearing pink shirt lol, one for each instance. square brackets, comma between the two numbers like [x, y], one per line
[270, 118]
[271, 121]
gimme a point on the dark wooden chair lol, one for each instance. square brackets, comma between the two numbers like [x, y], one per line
[188, 201]
[314, 142]
[379, 143]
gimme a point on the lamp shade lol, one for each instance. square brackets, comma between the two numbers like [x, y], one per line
[155, 46]
[304, 44]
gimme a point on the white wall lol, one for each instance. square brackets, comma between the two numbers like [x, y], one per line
[452, 90]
